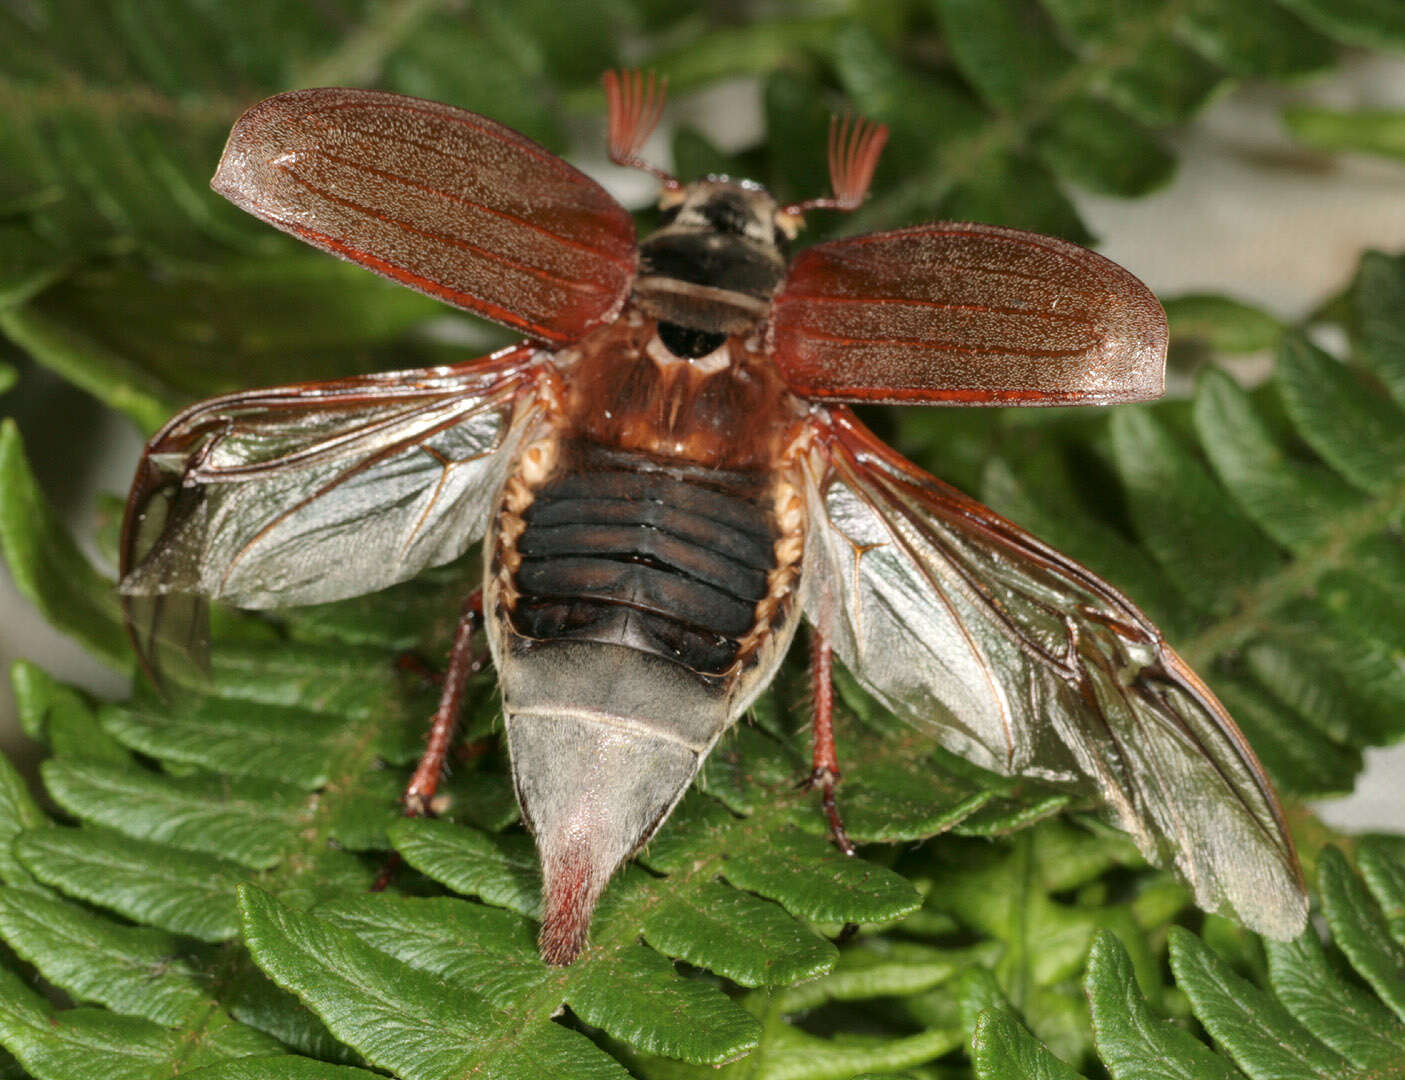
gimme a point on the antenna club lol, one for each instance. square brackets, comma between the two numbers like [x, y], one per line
[855, 144]
[635, 102]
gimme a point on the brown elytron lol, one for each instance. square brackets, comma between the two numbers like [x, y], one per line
[665, 485]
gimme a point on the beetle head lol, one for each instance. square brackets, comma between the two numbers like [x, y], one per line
[719, 256]
[717, 259]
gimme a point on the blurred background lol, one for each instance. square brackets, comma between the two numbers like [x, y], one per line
[1239, 157]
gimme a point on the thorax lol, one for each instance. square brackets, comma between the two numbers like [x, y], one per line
[622, 387]
[653, 509]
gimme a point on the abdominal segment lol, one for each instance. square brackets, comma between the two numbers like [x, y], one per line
[671, 560]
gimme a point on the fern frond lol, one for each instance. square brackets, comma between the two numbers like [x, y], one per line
[193, 901]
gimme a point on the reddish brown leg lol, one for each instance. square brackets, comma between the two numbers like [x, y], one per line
[464, 661]
[388, 872]
[466, 752]
[825, 773]
[413, 664]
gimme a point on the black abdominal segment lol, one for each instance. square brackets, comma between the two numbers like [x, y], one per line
[668, 559]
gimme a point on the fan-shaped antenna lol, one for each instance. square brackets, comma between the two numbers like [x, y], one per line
[854, 147]
[636, 103]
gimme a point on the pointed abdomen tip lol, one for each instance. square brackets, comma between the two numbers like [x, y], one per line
[560, 946]
[568, 901]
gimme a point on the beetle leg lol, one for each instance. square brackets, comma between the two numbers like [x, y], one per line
[413, 664]
[464, 661]
[825, 772]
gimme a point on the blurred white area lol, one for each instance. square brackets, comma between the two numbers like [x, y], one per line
[1248, 213]
[1378, 803]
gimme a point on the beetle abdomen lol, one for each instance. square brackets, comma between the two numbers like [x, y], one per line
[632, 601]
[665, 558]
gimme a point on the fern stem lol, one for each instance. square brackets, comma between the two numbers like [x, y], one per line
[24, 103]
[1259, 604]
[772, 1018]
[358, 57]
[1016, 963]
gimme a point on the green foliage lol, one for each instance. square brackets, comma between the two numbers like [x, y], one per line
[1370, 131]
[192, 897]
[1305, 1015]
[1311, 1019]
[1225, 325]
[268, 784]
[46, 564]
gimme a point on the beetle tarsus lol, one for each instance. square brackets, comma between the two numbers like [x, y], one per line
[415, 804]
[827, 780]
[388, 872]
